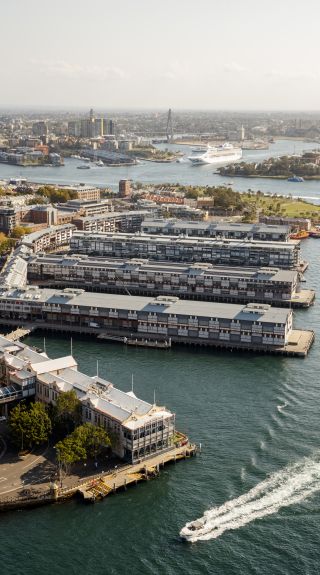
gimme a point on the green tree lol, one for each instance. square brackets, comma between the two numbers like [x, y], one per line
[69, 451]
[67, 411]
[19, 231]
[85, 441]
[29, 426]
[94, 438]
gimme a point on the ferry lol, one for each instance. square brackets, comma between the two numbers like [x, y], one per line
[224, 154]
[300, 235]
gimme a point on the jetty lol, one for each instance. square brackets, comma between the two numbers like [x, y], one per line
[18, 333]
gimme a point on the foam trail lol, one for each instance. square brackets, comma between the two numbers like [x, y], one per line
[289, 486]
[280, 408]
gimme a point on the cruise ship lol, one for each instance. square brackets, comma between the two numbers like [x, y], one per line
[224, 154]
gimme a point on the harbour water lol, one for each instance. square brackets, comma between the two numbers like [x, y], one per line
[257, 418]
[183, 173]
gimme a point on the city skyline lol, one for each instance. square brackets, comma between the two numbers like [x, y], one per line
[189, 56]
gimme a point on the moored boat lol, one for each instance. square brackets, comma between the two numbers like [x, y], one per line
[300, 235]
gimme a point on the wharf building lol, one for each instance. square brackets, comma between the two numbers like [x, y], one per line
[141, 429]
[237, 231]
[293, 223]
[246, 253]
[253, 326]
[191, 281]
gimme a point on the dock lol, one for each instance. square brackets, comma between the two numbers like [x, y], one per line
[303, 298]
[18, 333]
[106, 484]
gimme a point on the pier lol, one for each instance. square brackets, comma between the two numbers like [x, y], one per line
[97, 486]
[19, 333]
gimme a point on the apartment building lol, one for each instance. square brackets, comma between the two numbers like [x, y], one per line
[145, 277]
[246, 253]
[259, 232]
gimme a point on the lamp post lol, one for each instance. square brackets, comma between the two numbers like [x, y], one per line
[59, 466]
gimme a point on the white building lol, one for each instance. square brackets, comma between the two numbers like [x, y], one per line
[141, 428]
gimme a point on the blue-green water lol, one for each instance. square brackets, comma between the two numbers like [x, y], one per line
[254, 415]
[184, 173]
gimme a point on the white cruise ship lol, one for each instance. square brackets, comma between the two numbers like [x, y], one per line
[224, 154]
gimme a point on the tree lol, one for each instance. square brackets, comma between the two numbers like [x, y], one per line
[18, 232]
[69, 451]
[29, 425]
[85, 441]
[67, 411]
[94, 438]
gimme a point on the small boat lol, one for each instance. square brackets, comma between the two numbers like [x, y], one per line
[190, 530]
[295, 179]
[315, 234]
[300, 235]
[83, 167]
[99, 163]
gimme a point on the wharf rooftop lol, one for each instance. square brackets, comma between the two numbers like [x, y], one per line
[228, 230]
[32, 374]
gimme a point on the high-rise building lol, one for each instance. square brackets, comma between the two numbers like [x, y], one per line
[125, 190]
[91, 127]
[40, 128]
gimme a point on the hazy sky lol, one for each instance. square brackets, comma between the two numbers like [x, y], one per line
[211, 54]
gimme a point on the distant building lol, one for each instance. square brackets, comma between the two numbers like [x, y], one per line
[293, 223]
[91, 127]
[125, 190]
[84, 192]
[40, 128]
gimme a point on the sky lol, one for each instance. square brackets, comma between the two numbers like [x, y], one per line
[147, 54]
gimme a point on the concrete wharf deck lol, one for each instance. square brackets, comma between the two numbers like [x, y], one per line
[99, 485]
[121, 478]
[19, 333]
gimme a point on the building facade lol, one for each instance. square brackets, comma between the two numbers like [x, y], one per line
[140, 429]
[253, 326]
[219, 252]
[142, 277]
[237, 231]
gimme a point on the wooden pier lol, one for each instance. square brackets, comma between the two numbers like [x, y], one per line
[111, 482]
[18, 333]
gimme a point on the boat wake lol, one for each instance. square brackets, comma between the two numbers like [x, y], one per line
[280, 408]
[290, 486]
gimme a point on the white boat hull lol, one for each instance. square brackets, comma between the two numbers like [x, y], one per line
[227, 159]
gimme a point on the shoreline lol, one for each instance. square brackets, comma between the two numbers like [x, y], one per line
[99, 485]
[254, 176]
